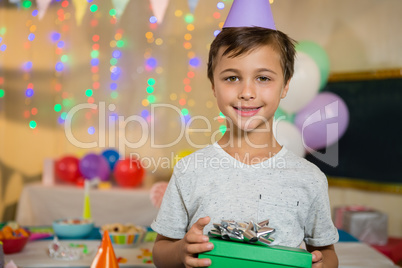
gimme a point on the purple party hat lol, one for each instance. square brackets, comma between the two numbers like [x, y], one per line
[250, 13]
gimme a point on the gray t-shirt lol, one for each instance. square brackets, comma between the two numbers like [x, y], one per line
[286, 189]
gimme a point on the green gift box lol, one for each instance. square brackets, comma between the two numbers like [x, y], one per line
[236, 254]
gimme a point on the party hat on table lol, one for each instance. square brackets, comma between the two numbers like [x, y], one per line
[250, 13]
[86, 214]
[105, 257]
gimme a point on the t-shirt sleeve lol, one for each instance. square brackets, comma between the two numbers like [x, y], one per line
[319, 229]
[172, 218]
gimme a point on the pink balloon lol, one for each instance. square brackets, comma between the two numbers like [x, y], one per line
[323, 121]
[157, 192]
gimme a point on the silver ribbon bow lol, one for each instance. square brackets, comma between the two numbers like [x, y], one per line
[251, 232]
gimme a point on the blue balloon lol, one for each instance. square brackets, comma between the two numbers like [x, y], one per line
[112, 156]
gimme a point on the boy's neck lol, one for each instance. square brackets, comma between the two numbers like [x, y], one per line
[249, 145]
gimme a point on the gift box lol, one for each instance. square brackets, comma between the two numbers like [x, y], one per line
[339, 213]
[364, 223]
[239, 254]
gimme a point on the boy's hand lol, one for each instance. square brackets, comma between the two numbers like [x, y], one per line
[195, 242]
[317, 259]
[323, 256]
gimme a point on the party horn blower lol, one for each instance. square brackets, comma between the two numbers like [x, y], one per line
[86, 214]
[105, 257]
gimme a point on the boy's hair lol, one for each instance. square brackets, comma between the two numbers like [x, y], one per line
[241, 40]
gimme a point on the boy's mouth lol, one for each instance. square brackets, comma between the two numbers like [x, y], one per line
[246, 111]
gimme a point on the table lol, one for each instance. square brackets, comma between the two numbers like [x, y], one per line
[357, 254]
[34, 255]
[40, 205]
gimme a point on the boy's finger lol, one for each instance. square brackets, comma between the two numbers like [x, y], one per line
[196, 238]
[201, 223]
[195, 262]
[199, 248]
[317, 255]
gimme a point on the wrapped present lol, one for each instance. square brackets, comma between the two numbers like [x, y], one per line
[339, 213]
[364, 223]
[249, 245]
[235, 254]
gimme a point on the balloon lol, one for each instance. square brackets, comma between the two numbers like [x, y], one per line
[323, 121]
[157, 192]
[66, 169]
[80, 182]
[282, 115]
[111, 156]
[303, 86]
[129, 173]
[289, 136]
[94, 166]
[319, 55]
[180, 155]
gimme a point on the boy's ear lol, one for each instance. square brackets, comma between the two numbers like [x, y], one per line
[285, 90]
[213, 89]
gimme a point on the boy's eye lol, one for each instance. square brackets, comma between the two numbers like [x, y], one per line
[263, 79]
[232, 78]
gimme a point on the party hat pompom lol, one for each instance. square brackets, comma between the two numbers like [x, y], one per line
[105, 257]
[254, 13]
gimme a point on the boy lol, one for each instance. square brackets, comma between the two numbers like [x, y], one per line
[246, 175]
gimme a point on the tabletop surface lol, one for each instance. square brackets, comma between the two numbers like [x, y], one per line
[35, 254]
[351, 253]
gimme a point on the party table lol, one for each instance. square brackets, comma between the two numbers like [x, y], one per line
[40, 205]
[35, 255]
[350, 254]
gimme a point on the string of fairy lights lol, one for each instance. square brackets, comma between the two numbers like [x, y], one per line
[152, 68]
[116, 44]
[30, 112]
[91, 91]
[193, 62]
[64, 100]
[217, 15]
[3, 47]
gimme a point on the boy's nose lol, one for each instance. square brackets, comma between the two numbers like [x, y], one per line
[247, 92]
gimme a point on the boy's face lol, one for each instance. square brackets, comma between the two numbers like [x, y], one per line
[248, 88]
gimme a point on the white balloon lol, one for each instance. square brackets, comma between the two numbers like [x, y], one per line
[289, 136]
[304, 84]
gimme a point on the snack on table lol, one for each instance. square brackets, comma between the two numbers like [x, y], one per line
[122, 229]
[8, 232]
[74, 221]
[73, 228]
[124, 235]
[13, 237]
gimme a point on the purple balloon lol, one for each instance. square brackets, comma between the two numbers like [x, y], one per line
[323, 121]
[94, 166]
